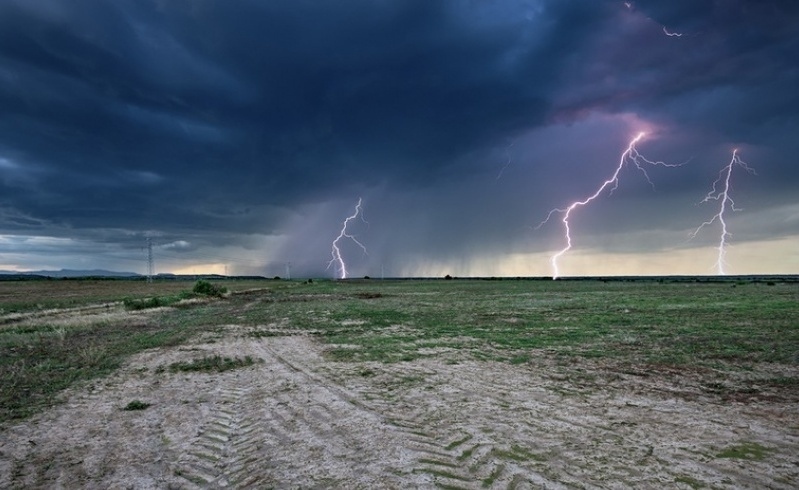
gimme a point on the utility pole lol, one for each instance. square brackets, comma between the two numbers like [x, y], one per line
[150, 267]
[288, 270]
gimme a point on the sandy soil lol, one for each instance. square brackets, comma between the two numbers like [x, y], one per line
[297, 420]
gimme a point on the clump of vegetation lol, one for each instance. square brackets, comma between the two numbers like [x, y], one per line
[206, 288]
[212, 363]
[38, 361]
[201, 288]
[145, 303]
[136, 405]
[155, 301]
[746, 450]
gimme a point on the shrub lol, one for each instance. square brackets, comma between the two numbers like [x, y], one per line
[206, 288]
[142, 304]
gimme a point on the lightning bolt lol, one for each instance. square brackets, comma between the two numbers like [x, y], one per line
[671, 34]
[336, 251]
[723, 197]
[630, 6]
[507, 163]
[630, 155]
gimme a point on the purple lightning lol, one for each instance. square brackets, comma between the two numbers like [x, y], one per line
[335, 251]
[723, 196]
[671, 34]
[632, 155]
[630, 6]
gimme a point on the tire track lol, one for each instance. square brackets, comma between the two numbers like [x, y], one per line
[279, 422]
[447, 430]
[221, 455]
[450, 453]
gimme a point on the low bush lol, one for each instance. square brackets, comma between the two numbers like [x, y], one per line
[208, 289]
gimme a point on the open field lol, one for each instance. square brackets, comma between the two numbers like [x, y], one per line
[401, 384]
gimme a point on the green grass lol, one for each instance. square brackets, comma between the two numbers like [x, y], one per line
[691, 482]
[33, 296]
[38, 362]
[746, 450]
[458, 442]
[518, 453]
[153, 302]
[641, 322]
[488, 481]
[212, 364]
[645, 324]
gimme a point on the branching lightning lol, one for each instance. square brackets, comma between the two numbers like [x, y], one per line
[336, 251]
[723, 197]
[630, 155]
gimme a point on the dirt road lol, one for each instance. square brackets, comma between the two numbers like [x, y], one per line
[298, 420]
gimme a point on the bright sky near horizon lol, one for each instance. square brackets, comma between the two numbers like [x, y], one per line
[240, 135]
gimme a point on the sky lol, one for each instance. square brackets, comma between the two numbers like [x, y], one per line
[239, 136]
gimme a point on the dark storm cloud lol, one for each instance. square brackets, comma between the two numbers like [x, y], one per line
[264, 94]
[214, 120]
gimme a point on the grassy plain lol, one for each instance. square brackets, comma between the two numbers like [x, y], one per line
[56, 333]
[635, 326]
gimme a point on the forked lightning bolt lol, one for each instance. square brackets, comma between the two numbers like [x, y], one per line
[630, 155]
[336, 251]
[723, 197]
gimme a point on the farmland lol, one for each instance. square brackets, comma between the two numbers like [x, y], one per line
[396, 384]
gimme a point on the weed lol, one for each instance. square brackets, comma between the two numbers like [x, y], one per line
[154, 302]
[212, 363]
[258, 334]
[489, 481]
[746, 450]
[691, 482]
[522, 359]
[518, 453]
[91, 355]
[208, 289]
[137, 405]
[645, 324]
[457, 443]
[467, 453]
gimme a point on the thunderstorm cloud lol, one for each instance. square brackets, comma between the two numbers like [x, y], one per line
[241, 134]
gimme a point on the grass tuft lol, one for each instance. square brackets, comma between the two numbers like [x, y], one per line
[212, 364]
[137, 405]
[746, 450]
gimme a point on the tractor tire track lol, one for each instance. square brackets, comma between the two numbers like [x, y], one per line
[298, 420]
[279, 422]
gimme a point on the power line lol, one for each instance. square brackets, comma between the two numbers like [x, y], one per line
[150, 267]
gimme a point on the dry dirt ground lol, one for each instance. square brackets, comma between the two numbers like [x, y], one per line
[298, 420]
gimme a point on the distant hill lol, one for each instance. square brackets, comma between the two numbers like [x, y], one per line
[72, 273]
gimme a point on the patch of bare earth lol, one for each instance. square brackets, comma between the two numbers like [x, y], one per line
[297, 420]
